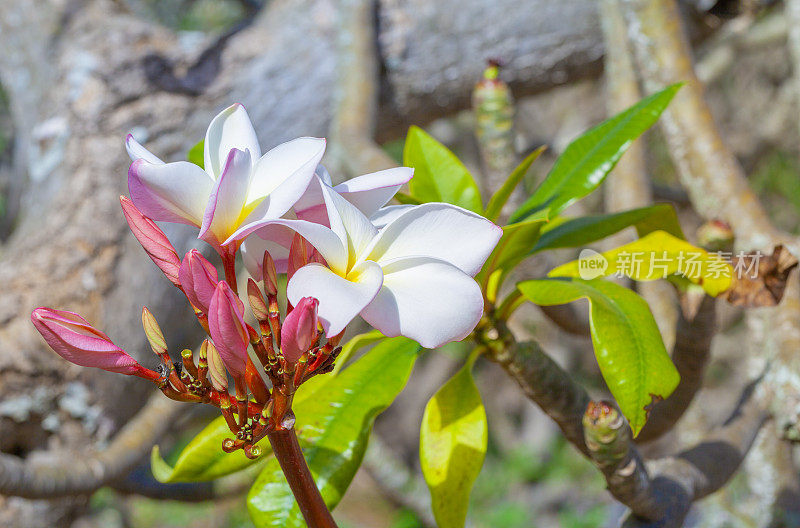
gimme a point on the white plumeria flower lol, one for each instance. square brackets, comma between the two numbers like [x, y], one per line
[369, 193]
[411, 278]
[238, 185]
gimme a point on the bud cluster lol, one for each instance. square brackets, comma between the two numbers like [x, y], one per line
[289, 350]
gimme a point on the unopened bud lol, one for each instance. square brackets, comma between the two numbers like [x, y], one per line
[270, 274]
[715, 235]
[153, 332]
[256, 300]
[216, 368]
[153, 240]
[199, 279]
[299, 329]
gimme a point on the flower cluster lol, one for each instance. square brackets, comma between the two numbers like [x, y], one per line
[406, 270]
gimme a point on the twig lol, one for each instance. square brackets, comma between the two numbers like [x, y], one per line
[628, 185]
[65, 475]
[353, 123]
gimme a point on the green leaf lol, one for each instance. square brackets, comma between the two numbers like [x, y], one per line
[334, 429]
[627, 343]
[587, 161]
[196, 154]
[516, 243]
[439, 176]
[452, 446]
[657, 255]
[587, 229]
[501, 196]
[404, 198]
[203, 459]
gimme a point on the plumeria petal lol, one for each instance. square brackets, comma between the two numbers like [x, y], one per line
[222, 214]
[441, 231]
[323, 239]
[137, 151]
[199, 280]
[370, 192]
[427, 300]
[283, 174]
[350, 224]
[74, 339]
[385, 215]
[170, 192]
[227, 328]
[340, 300]
[276, 239]
[230, 129]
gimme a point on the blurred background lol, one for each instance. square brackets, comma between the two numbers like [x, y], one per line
[77, 75]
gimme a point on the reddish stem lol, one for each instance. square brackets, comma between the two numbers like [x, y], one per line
[228, 255]
[290, 456]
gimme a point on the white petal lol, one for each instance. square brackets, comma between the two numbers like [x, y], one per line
[386, 215]
[370, 192]
[427, 300]
[349, 223]
[312, 197]
[340, 300]
[137, 151]
[276, 239]
[170, 192]
[284, 172]
[441, 231]
[323, 239]
[230, 129]
[224, 209]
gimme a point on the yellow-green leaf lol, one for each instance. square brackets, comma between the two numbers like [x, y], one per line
[627, 343]
[655, 256]
[453, 440]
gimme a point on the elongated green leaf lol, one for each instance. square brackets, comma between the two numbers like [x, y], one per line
[587, 161]
[334, 429]
[626, 340]
[439, 176]
[587, 229]
[196, 154]
[203, 459]
[452, 446]
[501, 196]
[657, 255]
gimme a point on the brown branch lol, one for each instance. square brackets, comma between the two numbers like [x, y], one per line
[608, 438]
[71, 474]
[547, 385]
[691, 355]
[567, 318]
[677, 481]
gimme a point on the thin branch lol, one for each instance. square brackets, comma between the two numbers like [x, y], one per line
[629, 186]
[66, 474]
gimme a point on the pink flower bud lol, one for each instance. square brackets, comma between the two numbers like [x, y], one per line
[301, 253]
[299, 329]
[153, 240]
[199, 279]
[227, 328]
[74, 339]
